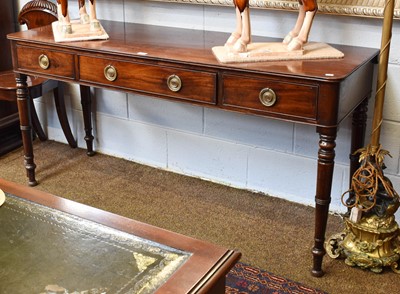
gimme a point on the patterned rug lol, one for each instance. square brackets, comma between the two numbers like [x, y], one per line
[243, 279]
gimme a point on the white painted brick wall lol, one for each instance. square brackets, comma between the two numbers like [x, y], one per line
[165, 113]
[111, 103]
[249, 130]
[131, 140]
[207, 158]
[245, 151]
[289, 176]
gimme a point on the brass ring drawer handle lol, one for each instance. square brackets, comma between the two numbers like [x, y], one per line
[267, 97]
[174, 83]
[44, 61]
[110, 72]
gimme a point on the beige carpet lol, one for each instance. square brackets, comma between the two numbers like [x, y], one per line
[271, 233]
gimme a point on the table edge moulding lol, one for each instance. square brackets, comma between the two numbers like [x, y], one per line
[178, 64]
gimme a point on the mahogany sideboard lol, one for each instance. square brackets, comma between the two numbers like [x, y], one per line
[178, 64]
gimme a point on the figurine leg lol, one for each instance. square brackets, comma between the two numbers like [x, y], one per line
[297, 27]
[94, 23]
[63, 17]
[83, 15]
[298, 42]
[238, 31]
[244, 40]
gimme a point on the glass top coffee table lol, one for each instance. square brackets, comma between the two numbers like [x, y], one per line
[53, 245]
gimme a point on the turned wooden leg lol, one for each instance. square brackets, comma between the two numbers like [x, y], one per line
[359, 125]
[326, 156]
[26, 128]
[86, 100]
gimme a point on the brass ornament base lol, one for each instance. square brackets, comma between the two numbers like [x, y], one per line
[372, 243]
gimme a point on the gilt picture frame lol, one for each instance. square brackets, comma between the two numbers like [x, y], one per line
[359, 8]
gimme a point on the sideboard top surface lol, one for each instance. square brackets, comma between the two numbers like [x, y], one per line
[194, 47]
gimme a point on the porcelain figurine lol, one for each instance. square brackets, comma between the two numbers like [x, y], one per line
[85, 18]
[294, 40]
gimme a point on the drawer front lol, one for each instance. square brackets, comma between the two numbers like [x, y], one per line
[53, 63]
[153, 79]
[266, 96]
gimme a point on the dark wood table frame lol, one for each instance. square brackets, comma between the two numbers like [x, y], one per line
[203, 272]
[178, 64]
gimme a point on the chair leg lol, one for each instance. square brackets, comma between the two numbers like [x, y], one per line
[62, 114]
[35, 121]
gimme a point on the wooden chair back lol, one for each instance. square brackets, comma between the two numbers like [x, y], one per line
[38, 13]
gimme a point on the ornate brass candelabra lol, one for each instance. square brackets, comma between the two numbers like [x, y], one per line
[371, 239]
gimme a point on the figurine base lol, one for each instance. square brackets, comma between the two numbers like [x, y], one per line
[275, 51]
[80, 32]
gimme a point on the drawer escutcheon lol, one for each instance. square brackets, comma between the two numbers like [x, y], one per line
[174, 83]
[110, 72]
[267, 97]
[44, 61]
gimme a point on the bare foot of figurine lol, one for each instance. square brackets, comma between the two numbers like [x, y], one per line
[236, 43]
[95, 25]
[295, 44]
[289, 37]
[66, 29]
[232, 39]
[240, 46]
[85, 18]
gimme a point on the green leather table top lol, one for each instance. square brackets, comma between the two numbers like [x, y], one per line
[41, 247]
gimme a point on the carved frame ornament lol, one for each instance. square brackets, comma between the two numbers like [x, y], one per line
[361, 8]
